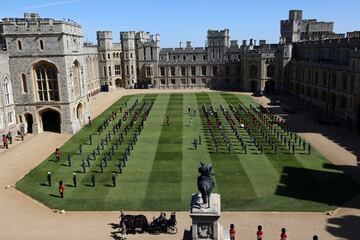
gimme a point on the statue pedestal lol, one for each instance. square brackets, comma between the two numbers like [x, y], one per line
[205, 220]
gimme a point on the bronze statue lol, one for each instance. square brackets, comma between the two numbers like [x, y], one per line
[205, 182]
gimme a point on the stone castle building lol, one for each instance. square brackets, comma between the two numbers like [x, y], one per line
[48, 73]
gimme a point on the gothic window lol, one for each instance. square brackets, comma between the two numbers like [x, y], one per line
[7, 91]
[270, 71]
[76, 78]
[47, 82]
[109, 71]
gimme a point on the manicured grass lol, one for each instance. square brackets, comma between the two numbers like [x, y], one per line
[162, 169]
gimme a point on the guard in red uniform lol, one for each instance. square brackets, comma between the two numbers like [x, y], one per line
[232, 232]
[57, 155]
[259, 233]
[283, 235]
[61, 189]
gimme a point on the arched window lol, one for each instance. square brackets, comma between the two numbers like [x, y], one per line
[7, 91]
[76, 78]
[24, 84]
[41, 45]
[253, 71]
[47, 81]
[270, 71]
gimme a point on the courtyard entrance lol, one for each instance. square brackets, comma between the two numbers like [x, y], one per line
[270, 86]
[119, 83]
[50, 120]
[29, 123]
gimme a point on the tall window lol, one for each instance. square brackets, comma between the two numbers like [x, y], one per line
[182, 71]
[76, 78]
[203, 70]
[41, 45]
[7, 91]
[24, 84]
[193, 71]
[109, 71]
[117, 70]
[162, 71]
[19, 45]
[270, 71]
[47, 82]
[172, 71]
[148, 72]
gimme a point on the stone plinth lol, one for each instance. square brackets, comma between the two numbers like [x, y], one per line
[205, 220]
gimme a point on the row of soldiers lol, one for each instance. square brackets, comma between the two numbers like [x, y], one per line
[109, 136]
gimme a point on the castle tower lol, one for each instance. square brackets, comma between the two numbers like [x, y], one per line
[106, 68]
[129, 57]
[218, 42]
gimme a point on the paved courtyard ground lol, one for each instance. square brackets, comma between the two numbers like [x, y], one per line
[22, 217]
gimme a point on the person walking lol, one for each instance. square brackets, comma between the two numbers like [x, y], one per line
[74, 179]
[113, 179]
[61, 189]
[93, 180]
[195, 143]
[57, 155]
[5, 141]
[49, 178]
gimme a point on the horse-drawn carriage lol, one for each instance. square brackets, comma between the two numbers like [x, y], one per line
[139, 223]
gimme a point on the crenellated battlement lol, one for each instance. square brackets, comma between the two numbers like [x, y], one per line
[32, 23]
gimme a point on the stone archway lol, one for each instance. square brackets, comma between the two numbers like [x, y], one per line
[269, 86]
[79, 112]
[29, 122]
[119, 83]
[50, 120]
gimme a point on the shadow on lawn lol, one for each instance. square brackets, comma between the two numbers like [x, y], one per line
[345, 227]
[328, 187]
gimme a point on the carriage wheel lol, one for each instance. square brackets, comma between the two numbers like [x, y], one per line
[172, 230]
[156, 230]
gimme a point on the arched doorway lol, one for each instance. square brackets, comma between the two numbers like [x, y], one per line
[79, 112]
[50, 120]
[269, 86]
[253, 86]
[29, 122]
[119, 83]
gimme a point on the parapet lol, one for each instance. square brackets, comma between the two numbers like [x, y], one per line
[127, 35]
[104, 35]
[33, 23]
[218, 33]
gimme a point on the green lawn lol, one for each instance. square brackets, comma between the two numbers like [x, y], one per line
[162, 169]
